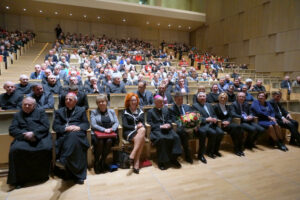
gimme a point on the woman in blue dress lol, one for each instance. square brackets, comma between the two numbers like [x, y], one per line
[266, 118]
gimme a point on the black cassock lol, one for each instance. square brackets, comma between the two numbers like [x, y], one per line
[71, 147]
[29, 161]
[167, 142]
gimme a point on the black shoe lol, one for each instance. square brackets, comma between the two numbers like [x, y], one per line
[238, 153]
[189, 159]
[162, 166]
[202, 158]
[281, 147]
[211, 155]
[18, 187]
[136, 171]
[242, 153]
[176, 164]
[79, 181]
[218, 154]
[60, 165]
[286, 149]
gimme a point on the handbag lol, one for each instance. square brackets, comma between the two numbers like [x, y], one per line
[121, 158]
[103, 135]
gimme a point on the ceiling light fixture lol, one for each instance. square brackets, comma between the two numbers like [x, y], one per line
[179, 26]
[169, 25]
[41, 11]
[7, 7]
[55, 12]
[98, 17]
[24, 9]
[84, 16]
[124, 20]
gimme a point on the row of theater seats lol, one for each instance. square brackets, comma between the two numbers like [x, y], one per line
[15, 56]
[7, 116]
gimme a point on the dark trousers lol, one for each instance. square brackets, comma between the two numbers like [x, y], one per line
[292, 127]
[215, 135]
[254, 130]
[184, 138]
[237, 136]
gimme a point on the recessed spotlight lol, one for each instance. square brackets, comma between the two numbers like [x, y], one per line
[7, 7]
[190, 27]
[24, 9]
[41, 11]
[147, 22]
[179, 26]
[84, 16]
[55, 12]
[124, 20]
[158, 24]
[70, 14]
[169, 25]
[98, 17]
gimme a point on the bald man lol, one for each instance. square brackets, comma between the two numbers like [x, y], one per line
[11, 99]
[30, 152]
[24, 87]
[38, 74]
[70, 124]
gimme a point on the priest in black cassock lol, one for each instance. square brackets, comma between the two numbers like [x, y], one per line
[30, 152]
[162, 135]
[70, 124]
[23, 87]
[11, 99]
[145, 96]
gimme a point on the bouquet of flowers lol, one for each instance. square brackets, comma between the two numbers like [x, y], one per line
[190, 120]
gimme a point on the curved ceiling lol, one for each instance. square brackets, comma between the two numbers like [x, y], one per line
[108, 12]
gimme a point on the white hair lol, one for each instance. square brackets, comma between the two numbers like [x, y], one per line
[23, 76]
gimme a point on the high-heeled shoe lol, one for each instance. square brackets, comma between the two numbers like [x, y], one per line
[136, 171]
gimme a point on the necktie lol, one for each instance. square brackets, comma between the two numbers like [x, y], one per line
[206, 109]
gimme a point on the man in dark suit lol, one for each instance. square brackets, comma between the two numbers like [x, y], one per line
[284, 119]
[116, 86]
[258, 87]
[178, 109]
[241, 109]
[145, 96]
[166, 95]
[213, 96]
[52, 86]
[181, 87]
[81, 97]
[94, 87]
[51, 54]
[44, 99]
[286, 83]
[208, 126]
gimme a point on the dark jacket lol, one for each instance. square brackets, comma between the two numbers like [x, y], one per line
[200, 108]
[236, 110]
[146, 99]
[278, 109]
